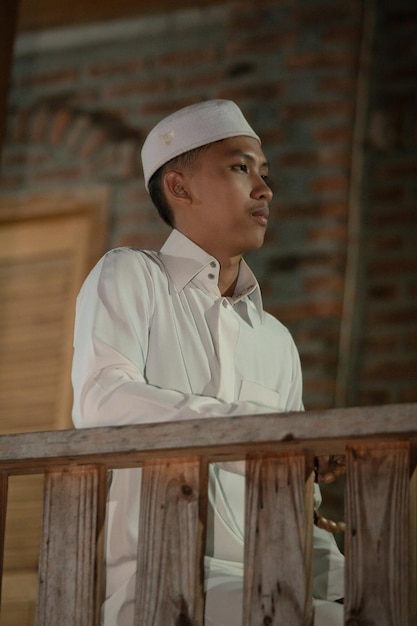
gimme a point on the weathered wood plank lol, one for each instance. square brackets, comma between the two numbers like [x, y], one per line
[377, 517]
[413, 549]
[171, 546]
[3, 510]
[279, 515]
[323, 432]
[71, 544]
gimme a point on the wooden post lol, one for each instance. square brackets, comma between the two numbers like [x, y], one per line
[377, 519]
[278, 541]
[413, 548]
[74, 508]
[3, 511]
[169, 587]
[9, 10]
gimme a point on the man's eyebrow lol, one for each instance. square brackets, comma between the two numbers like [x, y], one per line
[248, 156]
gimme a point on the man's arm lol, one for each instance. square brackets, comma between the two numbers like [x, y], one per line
[113, 319]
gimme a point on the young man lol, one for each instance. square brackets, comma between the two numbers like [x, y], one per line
[181, 333]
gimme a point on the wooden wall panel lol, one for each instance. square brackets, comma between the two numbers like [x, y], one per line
[43, 260]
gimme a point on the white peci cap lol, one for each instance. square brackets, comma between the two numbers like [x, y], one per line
[189, 128]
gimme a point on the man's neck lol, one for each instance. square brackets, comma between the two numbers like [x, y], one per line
[228, 275]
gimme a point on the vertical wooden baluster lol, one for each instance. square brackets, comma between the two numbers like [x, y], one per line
[71, 546]
[376, 544]
[4, 481]
[169, 586]
[413, 548]
[278, 541]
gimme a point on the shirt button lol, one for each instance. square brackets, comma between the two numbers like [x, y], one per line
[211, 276]
[213, 264]
[225, 304]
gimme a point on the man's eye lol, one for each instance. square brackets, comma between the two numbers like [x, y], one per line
[265, 177]
[241, 167]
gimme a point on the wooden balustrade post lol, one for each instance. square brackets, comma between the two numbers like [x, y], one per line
[413, 548]
[4, 482]
[71, 546]
[278, 541]
[170, 571]
[377, 534]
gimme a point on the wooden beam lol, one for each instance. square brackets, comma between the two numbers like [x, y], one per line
[321, 432]
[8, 21]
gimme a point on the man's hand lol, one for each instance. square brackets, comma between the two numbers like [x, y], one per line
[329, 468]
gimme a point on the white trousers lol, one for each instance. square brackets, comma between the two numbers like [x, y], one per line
[224, 608]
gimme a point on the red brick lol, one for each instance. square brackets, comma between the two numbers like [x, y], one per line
[397, 316]
[81, 123]
[370, 397]
[337, 233]
[161, 107]
[388, 266]
[93, 141]
[200, 79]
[323, 309]
[331, 284]
[259, 45]
[303, 210]
[382, 344]
[137, 88]
[19, 127]
[188, 58]
[53, 78]
[64, 174]
[348, 34]
[242, 91]
[383, 292]
[391, 370]
[337, 85]
[333, 12]
[39, 123]
[384, 242]
[317, 110]
[329, 184]
[409, 394]
[60, 123]
[334, 134]
[387, 192]
[396, 213]
[116, 68]
[320, 59]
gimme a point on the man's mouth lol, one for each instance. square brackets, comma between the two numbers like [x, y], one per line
[261, 215]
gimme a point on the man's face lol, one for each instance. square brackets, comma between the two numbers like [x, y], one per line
[229, 210]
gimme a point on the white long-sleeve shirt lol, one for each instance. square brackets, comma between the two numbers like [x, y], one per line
[156, 341]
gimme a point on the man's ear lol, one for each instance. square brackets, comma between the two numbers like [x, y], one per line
[174, 183]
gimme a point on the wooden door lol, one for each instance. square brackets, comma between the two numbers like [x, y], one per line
[43, 259]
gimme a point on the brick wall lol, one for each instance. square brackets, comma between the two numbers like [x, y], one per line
[82, 101]
[387, 322]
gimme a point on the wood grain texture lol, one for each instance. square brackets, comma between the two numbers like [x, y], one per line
[321, 432]
[413, 549]
[377, 517]
[69, 559]
[171, 547]
[277, 543]
[3, 510]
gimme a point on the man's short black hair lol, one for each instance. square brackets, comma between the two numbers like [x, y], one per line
[155, 186]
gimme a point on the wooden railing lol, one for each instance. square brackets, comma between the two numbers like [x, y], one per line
[380, 446]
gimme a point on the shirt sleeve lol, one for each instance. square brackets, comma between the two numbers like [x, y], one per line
[113, 316]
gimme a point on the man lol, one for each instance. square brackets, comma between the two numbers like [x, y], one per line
[181, 334]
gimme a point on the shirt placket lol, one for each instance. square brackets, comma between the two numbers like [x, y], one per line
[228, 330]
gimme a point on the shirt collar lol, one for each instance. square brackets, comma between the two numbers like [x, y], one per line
[184, 261]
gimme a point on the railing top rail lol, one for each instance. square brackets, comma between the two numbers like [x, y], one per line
[321, 432]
